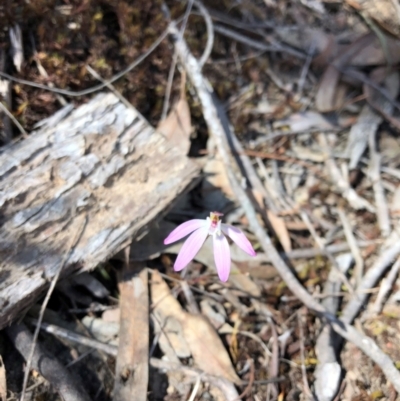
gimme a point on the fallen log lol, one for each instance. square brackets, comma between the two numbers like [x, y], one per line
[99, 173]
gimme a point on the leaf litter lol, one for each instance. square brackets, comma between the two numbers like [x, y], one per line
[352, 167]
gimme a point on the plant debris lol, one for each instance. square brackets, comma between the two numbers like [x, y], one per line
[293, 116]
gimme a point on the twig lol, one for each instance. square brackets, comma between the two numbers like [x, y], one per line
[272, 389]
[14, 120]
[208, 102]
[279, 134]
[173, 64]
[210, 32]
[362, 77]
[305, 69]
[386, 286]
[206, 53]
[109, 86]
[224, 385]
[191, 301]
[257, 44]
[43, 72]
[328, 371]
[74, 337]
[250, 26]
[342, 184]
[251, 381]
[369, 280]
[382, 209]
[195, 389]
[355, 250]
[335, 248]
[112, 350]
[368, 121]
[321, 245]
[45, 364]
[307, 389]
[53, 283]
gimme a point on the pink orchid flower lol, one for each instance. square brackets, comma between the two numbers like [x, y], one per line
[199, 230]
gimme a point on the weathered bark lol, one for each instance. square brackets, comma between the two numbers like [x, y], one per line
[101, 163]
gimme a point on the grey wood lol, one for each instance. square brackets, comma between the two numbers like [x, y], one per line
[100, 169]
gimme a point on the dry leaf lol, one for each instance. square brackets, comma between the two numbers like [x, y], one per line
[205, 345]
[3, 383]
[279, 226]
[375, 99]
[177, 126]
[167, 316]
[207, 349]
[111, 315]
[373, 54]
[385, 12]
[243, 282]
[214, 312]
[369, 120]
[303, 122]
[162, 300]
[327, 98]
[216, 189]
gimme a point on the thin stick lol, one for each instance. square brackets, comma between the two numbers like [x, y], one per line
[109, 86]
[277, 47]
[44, 305]
[306, 67]
[321, 245]
[14, 120]
[355, 250]
[307, 389]
[251, 381]
[382, 208]
[195, 389]
[173, 64]
[74, 337]
[386, 286]
[43, 72]
[369, 280]
[210, 32]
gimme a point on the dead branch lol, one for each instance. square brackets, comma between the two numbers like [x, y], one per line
[102, 162]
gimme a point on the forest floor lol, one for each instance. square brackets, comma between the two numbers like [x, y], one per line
[311, 89]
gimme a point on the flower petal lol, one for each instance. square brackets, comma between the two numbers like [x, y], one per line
[190, 248]
[185, 229]
[222, 256]
[238, 238]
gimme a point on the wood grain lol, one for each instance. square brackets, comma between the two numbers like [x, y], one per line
[102, 162]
